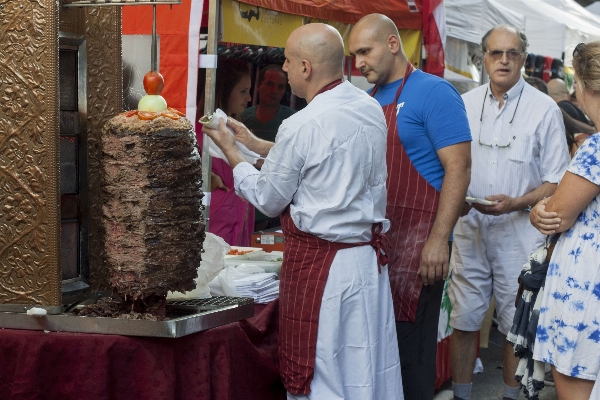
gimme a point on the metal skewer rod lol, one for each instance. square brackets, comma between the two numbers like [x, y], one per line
[153, 59]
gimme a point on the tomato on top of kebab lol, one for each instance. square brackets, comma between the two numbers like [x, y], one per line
[153, 105]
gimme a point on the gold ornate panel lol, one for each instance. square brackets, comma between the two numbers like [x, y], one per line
[29, 228]
[102, 29]
[29, 145]
[105, 100]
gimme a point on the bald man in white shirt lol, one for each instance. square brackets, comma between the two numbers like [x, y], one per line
[326, 175]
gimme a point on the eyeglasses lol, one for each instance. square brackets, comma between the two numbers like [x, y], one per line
[577, 51]
[509, 123]
[511, 55]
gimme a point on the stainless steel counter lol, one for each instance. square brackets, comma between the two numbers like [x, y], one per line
[185, 317]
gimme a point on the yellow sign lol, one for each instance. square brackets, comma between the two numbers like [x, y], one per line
[247, 24]
[411, 39]
[344, 29]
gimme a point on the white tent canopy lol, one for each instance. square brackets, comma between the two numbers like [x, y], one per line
[469, 20]
[594, 8]
[552, 31]
[573, 8]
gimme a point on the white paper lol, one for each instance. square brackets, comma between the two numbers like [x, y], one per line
[246, 280]
[211, 265]
[215, 151]
[485, 202]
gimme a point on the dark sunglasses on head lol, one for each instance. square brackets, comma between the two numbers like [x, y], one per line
[510, 54]
[578, 49]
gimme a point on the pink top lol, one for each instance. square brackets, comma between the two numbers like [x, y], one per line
[231, 217]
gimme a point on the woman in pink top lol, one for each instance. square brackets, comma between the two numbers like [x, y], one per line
[231, 217]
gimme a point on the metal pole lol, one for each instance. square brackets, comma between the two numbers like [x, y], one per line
[153, 57]
[209, 97]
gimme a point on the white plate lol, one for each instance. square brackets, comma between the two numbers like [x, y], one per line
[485, 202]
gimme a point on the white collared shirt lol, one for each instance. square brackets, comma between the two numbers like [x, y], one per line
[514, 158]
[329, 163]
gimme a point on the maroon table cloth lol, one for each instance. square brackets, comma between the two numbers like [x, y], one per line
[230, 362]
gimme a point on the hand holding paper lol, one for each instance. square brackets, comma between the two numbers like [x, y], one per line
[211, 121]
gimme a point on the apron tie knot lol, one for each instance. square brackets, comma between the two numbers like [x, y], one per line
[380, 244]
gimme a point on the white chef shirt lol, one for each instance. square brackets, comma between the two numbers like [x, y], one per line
[328, 161]
[514, 158]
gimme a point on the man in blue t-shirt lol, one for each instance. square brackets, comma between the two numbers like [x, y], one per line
[428, 161]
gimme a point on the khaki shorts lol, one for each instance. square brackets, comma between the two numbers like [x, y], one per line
[488, 254]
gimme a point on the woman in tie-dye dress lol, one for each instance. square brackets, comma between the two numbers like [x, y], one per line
[568, 333]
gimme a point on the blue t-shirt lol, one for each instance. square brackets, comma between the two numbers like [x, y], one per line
[430, 115]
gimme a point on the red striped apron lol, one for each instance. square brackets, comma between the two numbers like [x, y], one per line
[411, 208]
[304, 272]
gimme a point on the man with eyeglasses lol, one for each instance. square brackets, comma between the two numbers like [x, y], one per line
[519, 153]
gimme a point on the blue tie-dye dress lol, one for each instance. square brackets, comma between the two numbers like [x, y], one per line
[568, 333]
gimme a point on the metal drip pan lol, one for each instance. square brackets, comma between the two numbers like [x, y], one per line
[185, 317]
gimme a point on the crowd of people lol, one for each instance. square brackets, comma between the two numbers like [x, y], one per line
[370, 187]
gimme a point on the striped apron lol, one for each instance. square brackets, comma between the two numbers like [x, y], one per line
[304, 272]
[411, 208]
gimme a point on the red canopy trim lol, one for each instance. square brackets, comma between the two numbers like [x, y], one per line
[406, 14]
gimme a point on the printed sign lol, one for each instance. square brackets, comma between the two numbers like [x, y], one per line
[247, 24]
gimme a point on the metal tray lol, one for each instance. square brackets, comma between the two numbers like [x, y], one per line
[185, 317]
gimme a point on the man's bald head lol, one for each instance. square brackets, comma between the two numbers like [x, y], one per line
[377, 49]
[320, 44]
[557, 89]
[314, 57]
[376, 27]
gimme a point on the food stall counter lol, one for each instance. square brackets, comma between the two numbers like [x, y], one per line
[231, 362]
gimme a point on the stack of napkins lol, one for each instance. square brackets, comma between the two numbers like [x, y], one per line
[263, 288]
[246, 281]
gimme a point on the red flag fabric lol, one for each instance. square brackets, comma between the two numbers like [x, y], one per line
[434, 27]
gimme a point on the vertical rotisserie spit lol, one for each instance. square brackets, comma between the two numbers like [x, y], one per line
[151, 216]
